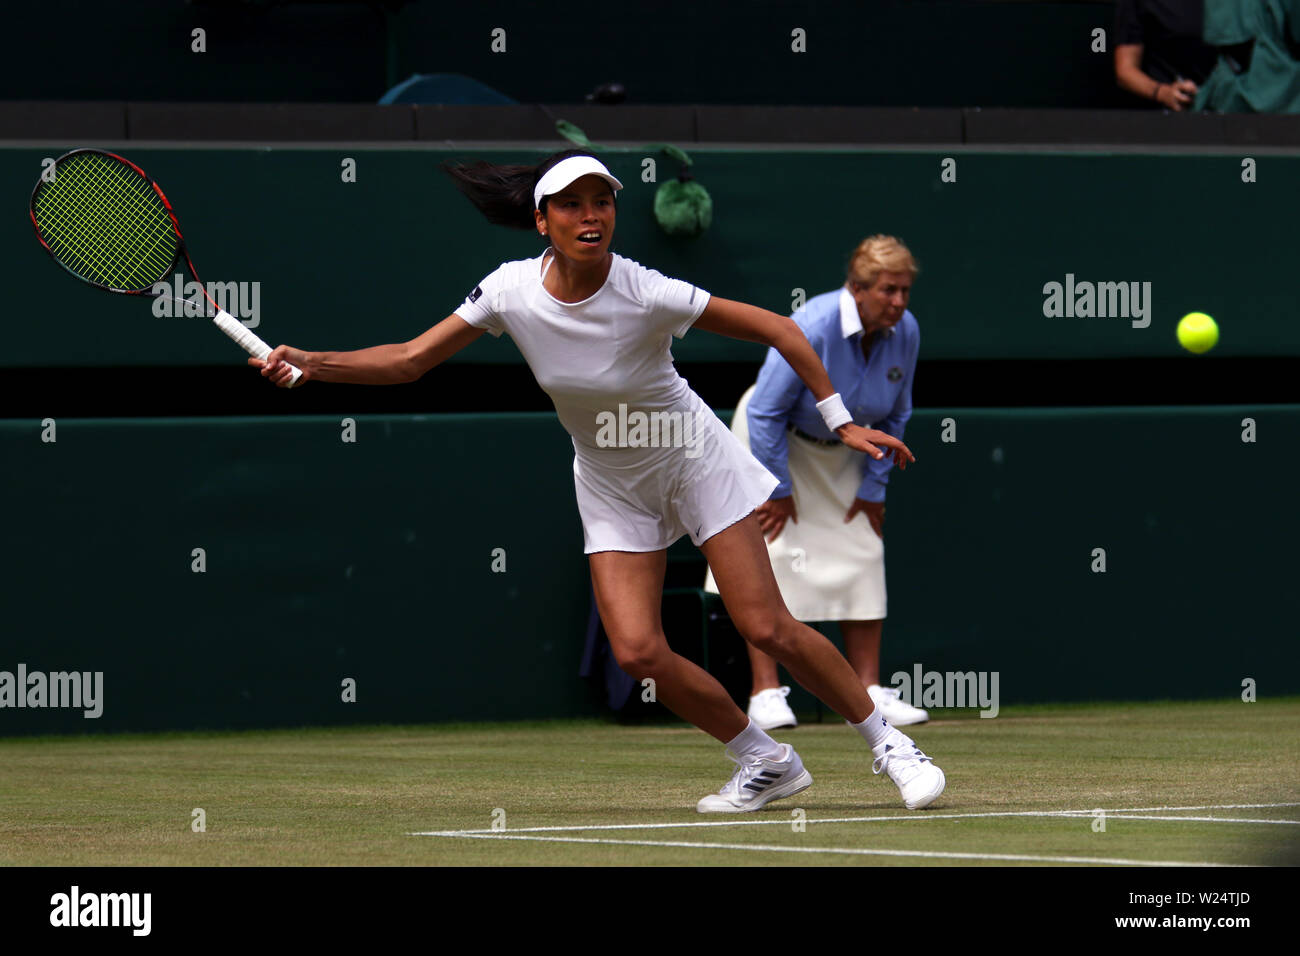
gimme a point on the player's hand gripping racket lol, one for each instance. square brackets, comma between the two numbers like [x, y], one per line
[109, 224]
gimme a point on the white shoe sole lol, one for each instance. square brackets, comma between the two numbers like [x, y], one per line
[787, 788]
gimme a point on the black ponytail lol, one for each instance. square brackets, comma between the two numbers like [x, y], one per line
[504, 194]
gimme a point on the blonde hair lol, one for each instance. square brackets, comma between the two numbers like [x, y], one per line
[877, 254]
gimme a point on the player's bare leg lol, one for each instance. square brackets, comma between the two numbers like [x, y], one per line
[743, 571]
[629, 591]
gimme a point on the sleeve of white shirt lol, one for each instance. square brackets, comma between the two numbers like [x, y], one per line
[675, 304]
[481, 307]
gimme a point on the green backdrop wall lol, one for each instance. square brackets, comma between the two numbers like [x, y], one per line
[344, 265]
[373, 560]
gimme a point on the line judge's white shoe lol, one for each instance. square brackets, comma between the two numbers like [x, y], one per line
[757, 782]
[894, 709]
[918, 779]
[768, 709]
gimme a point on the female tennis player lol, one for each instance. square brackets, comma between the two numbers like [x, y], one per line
[825, 521]
[595, 330]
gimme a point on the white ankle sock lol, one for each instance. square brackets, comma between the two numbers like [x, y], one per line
[753, 742]
[874, 729]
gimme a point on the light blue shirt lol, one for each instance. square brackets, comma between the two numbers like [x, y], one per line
[877, 391]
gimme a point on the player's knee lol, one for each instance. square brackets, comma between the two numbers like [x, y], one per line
[768, 631]
[640, 656]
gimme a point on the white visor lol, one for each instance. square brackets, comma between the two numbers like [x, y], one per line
[566, 171]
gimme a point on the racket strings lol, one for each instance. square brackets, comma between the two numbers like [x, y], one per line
[125, 233]
[104, 222]
[97, 233]
[123, 228]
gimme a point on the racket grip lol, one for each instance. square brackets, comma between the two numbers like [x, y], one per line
[249, 342]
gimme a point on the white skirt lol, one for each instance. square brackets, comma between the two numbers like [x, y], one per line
[645, 499]
[827, 570]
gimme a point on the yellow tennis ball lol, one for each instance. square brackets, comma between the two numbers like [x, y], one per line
[1197, 332]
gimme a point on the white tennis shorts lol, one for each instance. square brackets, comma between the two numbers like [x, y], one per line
[647, 504]
[827, 570]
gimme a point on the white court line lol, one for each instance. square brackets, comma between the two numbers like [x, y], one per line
[1122, 816]
[1208, 806]
[926, 854]
[785, 821]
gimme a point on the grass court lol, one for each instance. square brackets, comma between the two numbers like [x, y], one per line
[1214, 782]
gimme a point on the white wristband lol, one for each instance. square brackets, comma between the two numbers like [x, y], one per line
[833, 412]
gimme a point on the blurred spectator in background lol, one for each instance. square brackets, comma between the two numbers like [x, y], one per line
[1159, 53]
[1258, 68]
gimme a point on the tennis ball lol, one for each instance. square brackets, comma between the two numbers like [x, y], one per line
[1197, 332]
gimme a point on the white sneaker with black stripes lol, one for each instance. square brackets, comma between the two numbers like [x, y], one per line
[758, 782]
[918, 779]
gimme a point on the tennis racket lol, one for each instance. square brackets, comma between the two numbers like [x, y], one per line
[106, 222]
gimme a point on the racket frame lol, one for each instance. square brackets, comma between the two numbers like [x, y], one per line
[244, 337]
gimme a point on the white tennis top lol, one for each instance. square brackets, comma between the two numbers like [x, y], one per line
[591, 356]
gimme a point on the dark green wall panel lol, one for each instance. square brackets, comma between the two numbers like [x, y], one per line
[372, 560]
[349, 265]
[325, 560]
[990, 540]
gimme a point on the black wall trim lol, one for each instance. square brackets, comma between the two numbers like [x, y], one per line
[458, 387]
[782, 125]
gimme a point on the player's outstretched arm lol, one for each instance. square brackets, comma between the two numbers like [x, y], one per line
[381, 365]
[749, 323]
